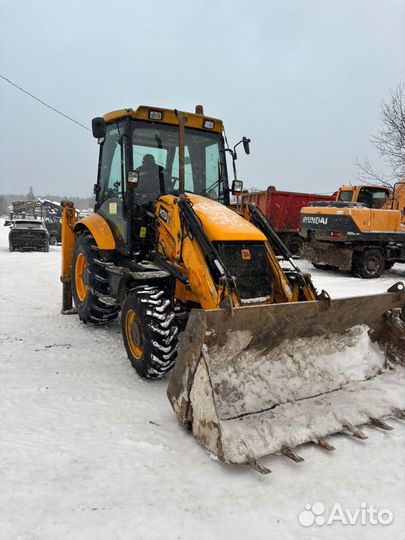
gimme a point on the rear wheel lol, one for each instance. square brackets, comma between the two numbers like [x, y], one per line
[90, 283]
[52, 240]
[294, 244]
[368, 264]
[11, 246]
[149, 331]
[46, 247]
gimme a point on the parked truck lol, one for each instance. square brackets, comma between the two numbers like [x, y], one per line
[282, 209]
[362, 232]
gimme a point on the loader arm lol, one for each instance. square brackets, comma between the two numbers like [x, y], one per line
[191, 223]
[302, 283]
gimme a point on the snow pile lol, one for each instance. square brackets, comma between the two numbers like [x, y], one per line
[294, 370]
[293, 424]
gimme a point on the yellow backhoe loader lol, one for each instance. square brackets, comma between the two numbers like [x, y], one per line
[262, 362]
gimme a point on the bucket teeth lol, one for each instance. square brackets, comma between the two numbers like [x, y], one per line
[380, 424]
[325, 445]
[398, 413]
[258, 466]
[289, 452]
[356, 432]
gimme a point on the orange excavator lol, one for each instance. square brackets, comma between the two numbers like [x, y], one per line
[362, 232]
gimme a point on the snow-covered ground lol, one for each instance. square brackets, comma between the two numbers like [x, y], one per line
[89, 451]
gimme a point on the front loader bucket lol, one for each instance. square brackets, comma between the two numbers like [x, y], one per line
[264, 379]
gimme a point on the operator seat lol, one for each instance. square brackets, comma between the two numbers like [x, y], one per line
[151, 179]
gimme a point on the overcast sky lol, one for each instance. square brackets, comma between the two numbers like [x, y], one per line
[302, 78]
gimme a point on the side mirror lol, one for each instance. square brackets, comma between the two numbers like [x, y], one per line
[237, 187]
[246, 145]
[133, 179]
[98, 127]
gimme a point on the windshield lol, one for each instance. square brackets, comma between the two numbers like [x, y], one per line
[373, 197]
[156, 157]
[28, 225]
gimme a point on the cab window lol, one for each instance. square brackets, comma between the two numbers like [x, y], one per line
[111, 172]
[373, 197]
[346, 196]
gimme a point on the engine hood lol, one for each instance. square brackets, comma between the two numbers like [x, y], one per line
[222, 224]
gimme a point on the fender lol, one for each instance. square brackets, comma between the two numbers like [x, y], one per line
[99, 229]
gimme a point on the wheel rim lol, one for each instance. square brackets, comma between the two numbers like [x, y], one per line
[80, 277]
[372, 265]
[134, 334]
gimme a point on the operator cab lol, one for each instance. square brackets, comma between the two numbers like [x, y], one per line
[151, 148]
[370, 196]
[139, 162]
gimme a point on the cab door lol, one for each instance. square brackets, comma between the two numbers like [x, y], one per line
[111, 181]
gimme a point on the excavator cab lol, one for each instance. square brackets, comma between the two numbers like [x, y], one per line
[369, 196]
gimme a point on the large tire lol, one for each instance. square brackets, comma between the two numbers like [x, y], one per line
[90, 283]
[294, 244]
[52, 240]
[149, 330]
[11, 246]
[46, 247]
[368, 264]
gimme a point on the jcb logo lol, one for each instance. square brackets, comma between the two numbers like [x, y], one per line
[165, 215]
[315, 220]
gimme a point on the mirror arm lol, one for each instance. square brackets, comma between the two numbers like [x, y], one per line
[234, 158]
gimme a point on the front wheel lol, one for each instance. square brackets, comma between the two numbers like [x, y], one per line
[368, 264]
[149, 331]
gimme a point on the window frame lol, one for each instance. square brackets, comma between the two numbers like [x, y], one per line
[122, 126]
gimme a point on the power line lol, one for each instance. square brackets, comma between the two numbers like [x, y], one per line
[43, 103]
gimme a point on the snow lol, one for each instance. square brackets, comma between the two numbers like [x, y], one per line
[293, 370]
[300, 391]
[89, 451]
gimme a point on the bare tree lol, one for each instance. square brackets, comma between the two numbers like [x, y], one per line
[30, 196]
[389, 141]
